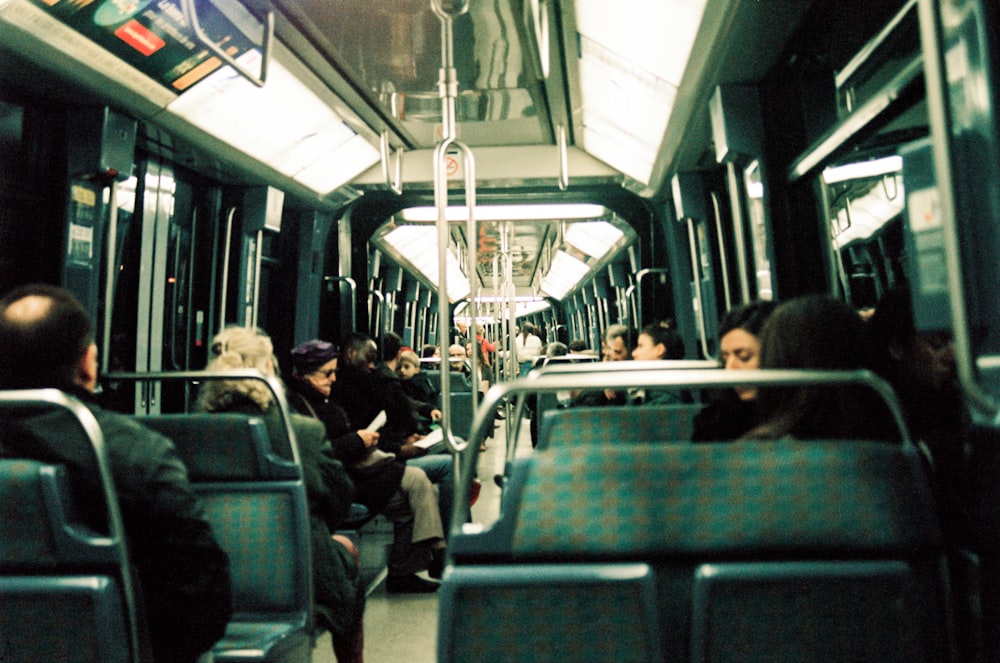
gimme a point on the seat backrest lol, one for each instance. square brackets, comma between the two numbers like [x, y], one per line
[595, 425]
[65, 589]
[458, 383]
[59, 582]
[806, 544]
[257, 506]
[223, 446]
[586, 613]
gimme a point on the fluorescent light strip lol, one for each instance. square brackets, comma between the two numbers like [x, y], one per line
[863, 169]
[596, 239]
[564, 275]
[285, 124]
[418, 246]
[507, 213]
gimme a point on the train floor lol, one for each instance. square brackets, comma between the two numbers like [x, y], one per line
[402, 628]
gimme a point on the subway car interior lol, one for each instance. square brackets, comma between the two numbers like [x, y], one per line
[459, 172]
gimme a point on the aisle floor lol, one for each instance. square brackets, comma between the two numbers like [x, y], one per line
[403, 628]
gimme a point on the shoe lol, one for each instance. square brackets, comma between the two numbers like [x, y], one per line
[436, 568]
[474, 490]
[409, 584]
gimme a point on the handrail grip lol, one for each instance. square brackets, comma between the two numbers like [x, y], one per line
[273, 383]
[191, 15]
[93, 431]
[395, 180]
[354, 289]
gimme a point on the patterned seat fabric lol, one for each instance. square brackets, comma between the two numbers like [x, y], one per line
[787, 496]
[602, 425]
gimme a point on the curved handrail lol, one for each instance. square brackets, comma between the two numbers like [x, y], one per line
[395, 180]
[607, 375]
[273, 383]
[56, 399]
[191, 15]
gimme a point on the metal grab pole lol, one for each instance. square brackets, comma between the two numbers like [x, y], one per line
[448, 90]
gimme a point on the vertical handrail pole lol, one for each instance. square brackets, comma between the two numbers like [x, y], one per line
[735, 207]
[723, 257]
[225, 267]
[111, 271]
[935, 74]
[699, 299]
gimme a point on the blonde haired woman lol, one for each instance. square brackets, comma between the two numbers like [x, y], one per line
[339, 595]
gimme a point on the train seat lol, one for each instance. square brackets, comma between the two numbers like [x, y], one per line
[59, 586]
[66, 586]
[594, 425]
[257, 505]
[586, 613]
[786, 534]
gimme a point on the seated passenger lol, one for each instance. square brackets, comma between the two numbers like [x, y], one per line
[921, 368]
[657, 341]
[416, 384]
[47, 340]
[732, 412]
[821, 333]
[424, 410]
[615, 346]
[339, 593]
[384, 485]
[363, 393]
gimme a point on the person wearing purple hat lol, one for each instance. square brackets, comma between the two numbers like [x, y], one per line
[382, 483]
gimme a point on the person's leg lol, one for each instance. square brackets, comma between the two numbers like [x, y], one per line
[439, 468]
[350, 647]
[423, 501]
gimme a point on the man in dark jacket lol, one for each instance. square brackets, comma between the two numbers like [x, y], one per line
[47, 341]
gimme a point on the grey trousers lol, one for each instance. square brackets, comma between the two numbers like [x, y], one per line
[416, 523]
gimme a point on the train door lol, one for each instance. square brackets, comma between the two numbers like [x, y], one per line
[161, 315]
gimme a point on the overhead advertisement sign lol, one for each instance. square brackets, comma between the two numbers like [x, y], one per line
[154, 35]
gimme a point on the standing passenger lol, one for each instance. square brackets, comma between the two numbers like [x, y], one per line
[339, 594]
[46, 340]
[528, 346]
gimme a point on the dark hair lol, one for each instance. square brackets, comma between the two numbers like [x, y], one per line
[428, 351]
[577, 345]
[392, 345]
[892, 324]
[665, 332]
[749, 317]
[822, 333]
[43, 348]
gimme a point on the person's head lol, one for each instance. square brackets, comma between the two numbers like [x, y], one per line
[556, 349]
[392, 345]
[358, 351]
[617, 343]
[456, 356]
[315, 363]
[817, 332]
[409, 364]
[659, 340]
[577, 345]
[430, 351]
[527, 329]
[239, 348]
[739, 342]
[910, 359]
[47, 339]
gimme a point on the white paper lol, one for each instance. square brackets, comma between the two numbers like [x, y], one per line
[377, 422]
